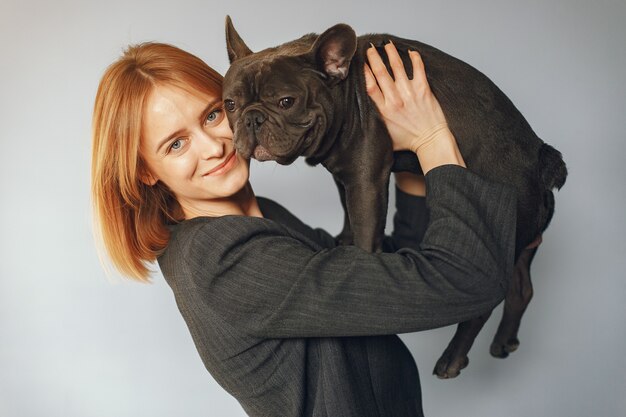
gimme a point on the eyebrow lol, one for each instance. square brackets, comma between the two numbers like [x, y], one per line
[211, 106]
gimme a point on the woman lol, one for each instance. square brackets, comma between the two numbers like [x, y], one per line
[286, 321]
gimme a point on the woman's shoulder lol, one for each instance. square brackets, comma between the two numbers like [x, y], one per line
[201, 243]
[217, 233]
[221, 228]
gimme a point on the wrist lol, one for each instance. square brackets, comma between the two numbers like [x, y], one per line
[441, 149]
[429, 135]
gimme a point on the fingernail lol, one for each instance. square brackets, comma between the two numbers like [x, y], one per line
[372, 45]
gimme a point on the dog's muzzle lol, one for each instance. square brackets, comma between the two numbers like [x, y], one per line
[253, 121]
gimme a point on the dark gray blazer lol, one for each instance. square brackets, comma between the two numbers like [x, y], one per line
[292, 325]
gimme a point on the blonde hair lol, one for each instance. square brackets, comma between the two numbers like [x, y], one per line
[130, 216]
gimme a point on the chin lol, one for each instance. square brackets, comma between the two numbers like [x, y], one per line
[237, 180]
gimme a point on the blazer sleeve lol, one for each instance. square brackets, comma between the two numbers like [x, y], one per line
[252, 273]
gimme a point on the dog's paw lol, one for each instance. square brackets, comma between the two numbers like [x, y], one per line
[502, 350]
[449, 366]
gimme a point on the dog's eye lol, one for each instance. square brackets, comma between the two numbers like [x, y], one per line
[286, 102]
[229, 105]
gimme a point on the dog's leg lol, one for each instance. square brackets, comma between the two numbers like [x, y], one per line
[345, 237]
[454, 358]
[366, 203]
[366, 186]
[517, 298]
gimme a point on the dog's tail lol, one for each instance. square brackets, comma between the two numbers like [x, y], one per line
[553, 169]
[552, 175]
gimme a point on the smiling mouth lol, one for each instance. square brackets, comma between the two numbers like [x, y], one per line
[226, 163]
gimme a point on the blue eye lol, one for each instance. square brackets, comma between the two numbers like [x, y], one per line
[211, 117]
[176, 145]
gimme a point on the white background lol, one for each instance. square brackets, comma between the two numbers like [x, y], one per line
[75, 343]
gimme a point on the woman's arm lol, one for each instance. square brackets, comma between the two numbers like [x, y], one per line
[263, 280]
[410, 183]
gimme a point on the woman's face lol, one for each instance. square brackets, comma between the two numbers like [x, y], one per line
[187, 144]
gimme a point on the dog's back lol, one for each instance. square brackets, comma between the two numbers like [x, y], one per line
[495, 139]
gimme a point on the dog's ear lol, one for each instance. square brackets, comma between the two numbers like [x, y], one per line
[236, 47]
[333, 51]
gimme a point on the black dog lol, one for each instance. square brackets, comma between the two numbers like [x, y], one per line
[307, 98]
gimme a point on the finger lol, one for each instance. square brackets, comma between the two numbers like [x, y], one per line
[383, 78]
[419, 72]
[371, 86]
[395, 62]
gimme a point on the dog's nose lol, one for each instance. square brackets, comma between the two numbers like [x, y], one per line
[254, 119]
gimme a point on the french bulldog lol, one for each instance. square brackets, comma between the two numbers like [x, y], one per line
[307, 98]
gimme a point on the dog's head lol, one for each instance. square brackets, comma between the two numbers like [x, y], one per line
[279, 101]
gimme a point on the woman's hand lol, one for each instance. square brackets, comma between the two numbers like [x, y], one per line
[411, 112]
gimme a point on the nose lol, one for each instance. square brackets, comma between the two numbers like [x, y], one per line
[211, 147]
[253, 120]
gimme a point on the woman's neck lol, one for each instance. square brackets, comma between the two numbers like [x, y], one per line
[242, 203]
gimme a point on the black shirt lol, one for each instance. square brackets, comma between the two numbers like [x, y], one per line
[292, 325]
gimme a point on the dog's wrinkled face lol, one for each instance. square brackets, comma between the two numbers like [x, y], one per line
[276, 107]
[278, 101]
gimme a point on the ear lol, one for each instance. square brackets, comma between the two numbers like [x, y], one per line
[236, 47]
[333, 51]
[146, 177]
